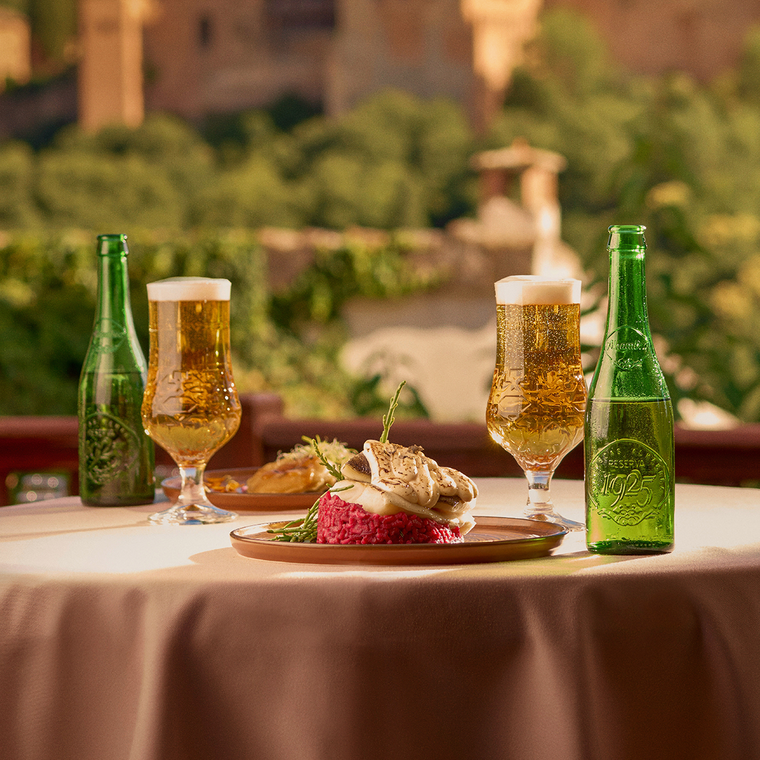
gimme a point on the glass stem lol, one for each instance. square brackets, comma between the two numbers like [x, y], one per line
[192, 491]
[539, 495]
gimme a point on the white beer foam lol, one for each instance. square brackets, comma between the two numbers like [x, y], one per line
[189, 289]
[533, 289]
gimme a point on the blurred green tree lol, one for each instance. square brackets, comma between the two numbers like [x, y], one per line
[394, 161]
[54, 27]
[17, 207]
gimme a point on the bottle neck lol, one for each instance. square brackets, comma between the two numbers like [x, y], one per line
[114, 334]
[627, 291]
[113, 288]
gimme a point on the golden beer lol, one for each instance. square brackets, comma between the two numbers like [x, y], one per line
[536, 407]
[538, 396]
[191, 406]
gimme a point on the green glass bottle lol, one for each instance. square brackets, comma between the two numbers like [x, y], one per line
[116, 457]
[628, 443]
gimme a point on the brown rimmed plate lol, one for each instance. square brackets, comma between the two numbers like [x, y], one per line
[246, 502]
[493, 539]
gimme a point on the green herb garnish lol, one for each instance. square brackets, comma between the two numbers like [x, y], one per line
[331, 467]
[300, 531]
[389, 419]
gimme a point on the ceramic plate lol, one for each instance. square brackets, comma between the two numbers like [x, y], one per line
[493, 539]
[246, 502]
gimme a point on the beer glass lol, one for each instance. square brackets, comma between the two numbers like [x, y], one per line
[191, 406]
[538, 396]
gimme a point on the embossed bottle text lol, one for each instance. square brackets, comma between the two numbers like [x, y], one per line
[116, 457]
[628, 443]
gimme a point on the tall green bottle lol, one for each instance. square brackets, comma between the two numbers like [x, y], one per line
[116, 457]
[628, 444]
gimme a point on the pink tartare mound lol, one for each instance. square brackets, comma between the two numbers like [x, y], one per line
[341, 522]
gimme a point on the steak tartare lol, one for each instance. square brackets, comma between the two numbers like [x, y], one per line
[341, 522]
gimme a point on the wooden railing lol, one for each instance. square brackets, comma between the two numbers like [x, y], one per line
[710, 457]
[465, 446]
[49, 444]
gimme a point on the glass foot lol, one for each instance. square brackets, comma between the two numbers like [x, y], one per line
[554, 517]
[192, 507]
[193, 514]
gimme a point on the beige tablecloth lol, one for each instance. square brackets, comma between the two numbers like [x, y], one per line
[122, 640]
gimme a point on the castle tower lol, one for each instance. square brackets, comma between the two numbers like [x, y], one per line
[110, 84]
[500, 29]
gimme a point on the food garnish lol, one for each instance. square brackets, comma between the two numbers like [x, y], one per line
[389, 419]
[304, 530]
[309, 466]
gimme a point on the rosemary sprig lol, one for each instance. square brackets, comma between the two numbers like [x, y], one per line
[389, 419]
[316, 444]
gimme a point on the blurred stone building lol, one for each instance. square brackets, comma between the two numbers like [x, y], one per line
[231, 54]
[701, 37]
[215, 56]
[199, 57]
[210, 57]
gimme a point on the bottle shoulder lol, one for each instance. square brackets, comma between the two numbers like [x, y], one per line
[640, 378]
[125, 361]
[124, 357]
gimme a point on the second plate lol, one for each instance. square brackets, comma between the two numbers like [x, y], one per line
[245, 502]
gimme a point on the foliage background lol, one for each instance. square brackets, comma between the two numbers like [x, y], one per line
[288, 341]
[680, 156]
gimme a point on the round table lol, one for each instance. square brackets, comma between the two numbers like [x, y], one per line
[124, 640]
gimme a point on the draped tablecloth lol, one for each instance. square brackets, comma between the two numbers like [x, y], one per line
[124, 640]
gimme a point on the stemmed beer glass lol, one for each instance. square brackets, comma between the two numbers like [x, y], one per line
[191, 406]
[538, 396]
